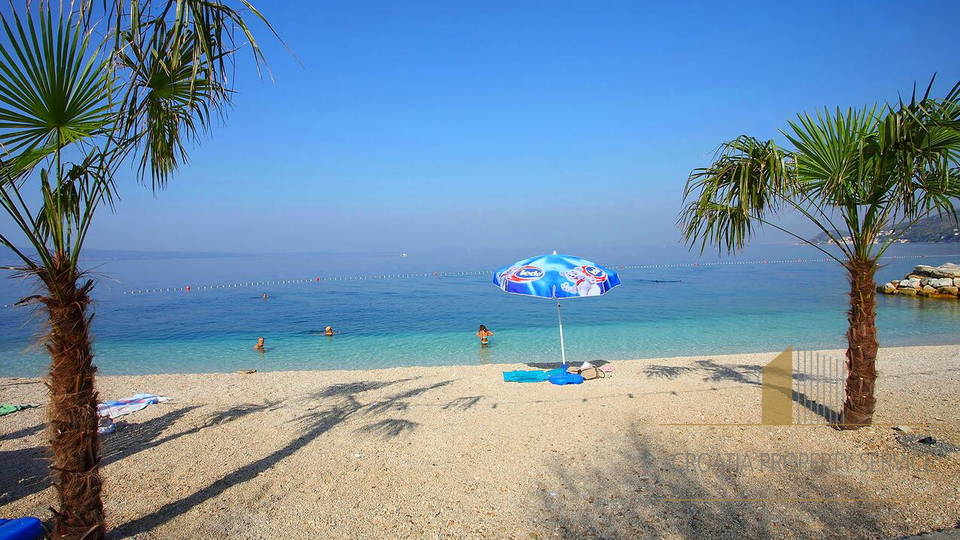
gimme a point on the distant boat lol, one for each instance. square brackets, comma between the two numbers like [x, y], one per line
[403, 254]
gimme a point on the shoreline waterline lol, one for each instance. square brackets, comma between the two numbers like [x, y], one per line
[755, 357]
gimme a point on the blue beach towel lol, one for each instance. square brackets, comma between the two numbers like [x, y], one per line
[524, 376]
[563, 378]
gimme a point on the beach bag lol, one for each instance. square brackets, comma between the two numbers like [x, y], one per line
[589, 373]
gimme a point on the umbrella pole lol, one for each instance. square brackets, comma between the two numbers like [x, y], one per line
[563, 354]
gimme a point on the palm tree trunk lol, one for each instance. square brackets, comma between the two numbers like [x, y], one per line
[72, 413]
[862, 346]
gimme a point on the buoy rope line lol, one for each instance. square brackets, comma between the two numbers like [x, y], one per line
[189, 288]
[321, 279]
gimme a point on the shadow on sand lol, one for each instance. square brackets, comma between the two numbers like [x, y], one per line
[27, 471]
[643, 491]
[321, 417]
[748, 374]
[709, 370]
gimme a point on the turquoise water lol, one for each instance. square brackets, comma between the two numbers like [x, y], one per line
[430, 320]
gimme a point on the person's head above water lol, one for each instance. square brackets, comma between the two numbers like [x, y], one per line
[482, 328]
[264, 296]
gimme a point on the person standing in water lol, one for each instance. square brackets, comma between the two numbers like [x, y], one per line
[483, 334]
[259, 347]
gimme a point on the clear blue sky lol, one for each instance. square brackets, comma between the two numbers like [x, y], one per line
[435, 125]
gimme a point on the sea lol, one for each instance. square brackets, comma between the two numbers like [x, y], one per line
[423, 309]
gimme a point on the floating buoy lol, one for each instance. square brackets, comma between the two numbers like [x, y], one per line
[318, 279]
[434, 273]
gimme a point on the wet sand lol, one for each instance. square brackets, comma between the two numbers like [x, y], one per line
[454, 452]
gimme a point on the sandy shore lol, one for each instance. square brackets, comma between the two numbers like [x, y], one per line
[454, 452]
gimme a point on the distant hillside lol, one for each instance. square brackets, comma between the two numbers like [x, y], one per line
[932, 229]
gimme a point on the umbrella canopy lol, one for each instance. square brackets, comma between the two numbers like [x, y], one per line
[556, 276]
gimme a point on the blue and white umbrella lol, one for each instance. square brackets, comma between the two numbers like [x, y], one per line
[556, 276]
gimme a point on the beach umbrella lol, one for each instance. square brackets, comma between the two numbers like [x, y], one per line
[556, 277]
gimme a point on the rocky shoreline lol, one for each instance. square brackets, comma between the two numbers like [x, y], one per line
[929, 281]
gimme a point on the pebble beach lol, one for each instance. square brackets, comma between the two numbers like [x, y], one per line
[455, 452]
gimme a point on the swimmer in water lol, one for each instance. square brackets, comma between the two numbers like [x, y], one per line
[483, 334]
[264, 296]
[259, 346]
[328, 331]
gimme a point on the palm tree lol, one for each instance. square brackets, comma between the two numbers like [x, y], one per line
[86, 92]
[851, 174]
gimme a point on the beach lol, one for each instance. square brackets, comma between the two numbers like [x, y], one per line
[455, 452]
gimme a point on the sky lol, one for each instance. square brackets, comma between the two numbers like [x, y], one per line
[539, 124]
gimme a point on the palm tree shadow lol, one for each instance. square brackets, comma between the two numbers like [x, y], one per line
[389, 428]
[348, 389]
[665, 372]
[131, 438]
[25, 432]
[24, 472]
[27, 471]
[316, 422]
[710, 370]
[646, 491]
[822, 410]
[739, 373]
[464, 403]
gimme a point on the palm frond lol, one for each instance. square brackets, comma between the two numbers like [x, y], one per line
[872, 168]
[742, 186]
[178, 54]
[171, 103]
[53, 88]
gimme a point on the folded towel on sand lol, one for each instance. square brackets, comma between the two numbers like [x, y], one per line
[120, 407]
[534, 375]
[524, 376]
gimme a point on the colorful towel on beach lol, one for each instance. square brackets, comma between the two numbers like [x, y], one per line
[534, 375]
[10, 408]
[120, 407]
[524, 376]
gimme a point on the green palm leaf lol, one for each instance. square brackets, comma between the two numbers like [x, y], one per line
[54, 91]
[171, 103]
